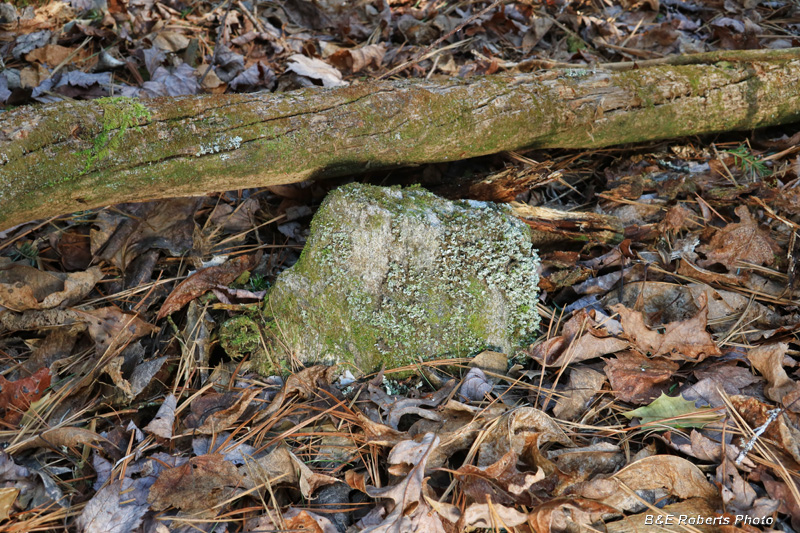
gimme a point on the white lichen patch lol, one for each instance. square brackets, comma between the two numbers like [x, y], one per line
[390, 275]
[223, 144]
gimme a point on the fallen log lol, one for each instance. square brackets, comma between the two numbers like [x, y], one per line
[71, 156]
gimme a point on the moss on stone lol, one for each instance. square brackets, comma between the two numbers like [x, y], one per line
[389, 276]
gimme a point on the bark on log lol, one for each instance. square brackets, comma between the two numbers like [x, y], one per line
[66, 157]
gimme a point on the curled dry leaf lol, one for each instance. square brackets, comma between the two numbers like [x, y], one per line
[199, 484]
[23, 287]
[161, 424]
[685, 339]
[705, 449]
[581, 339]
[316, 69]
[769, 360]
[637, 379]
[55, 438]
[501, 481]
[409, 511]
[16, 396]
[494, 516]
[204, 280]
[303, 384]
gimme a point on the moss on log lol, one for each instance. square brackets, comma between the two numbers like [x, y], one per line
[72, 156]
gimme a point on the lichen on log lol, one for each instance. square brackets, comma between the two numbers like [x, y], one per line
[65, 157]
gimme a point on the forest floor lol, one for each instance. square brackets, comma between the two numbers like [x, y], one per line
[661, 391]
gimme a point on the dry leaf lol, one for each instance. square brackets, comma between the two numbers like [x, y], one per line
[769, 361]
[282, 466]
[637, 379]
[568, 514]
[475, 386]
[501, 481]
[199, 484]
[293, 519]
[204, 280]
[661, 474]
[584, 384]
[494, 516]
[109, 326]
[686, 339]
[68, 437]
[739, 243]
[784, 430]
[115, 508]
[516, 431]
[410, 512]
[16, 396]
[161, 424]
[216, 412]
[8, 495]
[315, 69]
[23, 287]
[356, 59]
[581, 339]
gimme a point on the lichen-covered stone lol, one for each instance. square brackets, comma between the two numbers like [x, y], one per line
[389, 276]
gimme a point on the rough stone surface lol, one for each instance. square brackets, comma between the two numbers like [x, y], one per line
[390, 275]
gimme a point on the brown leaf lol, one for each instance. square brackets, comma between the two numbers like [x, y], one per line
[492, 516]
[686, 339]
[637, 379]
[784, 430]
[769, 360]
[356, 59]
[741, 242]
[216, 412]
[568, 514]
[16, 396]
[584, 384]
[23, 287]
[679, 477]
[55, 438]
[109, 326]
[581, 339]
[516, 431]
[199, 484]
[8, 495]
[204, 280]
[282, 466]
[410, 511]
[293, 519]
[501, 481]
[643, 522]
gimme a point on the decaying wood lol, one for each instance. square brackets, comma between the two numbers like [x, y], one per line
[71, 156]
[550, 226]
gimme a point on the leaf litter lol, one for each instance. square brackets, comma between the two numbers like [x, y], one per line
[664, 378]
